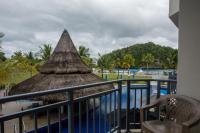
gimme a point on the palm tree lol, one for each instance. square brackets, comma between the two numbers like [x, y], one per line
[20, 62]
[17, 55]
[172, 60]
[128, 61]
[85, 56]
[101, 63]
[1, 34]
[88, 61]
[29, 55]
[83, 51]
[2, 54]
[148, 59]
[117, 64]
[45, 52]
[175, 58]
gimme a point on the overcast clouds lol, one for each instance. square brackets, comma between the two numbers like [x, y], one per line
[101, 25]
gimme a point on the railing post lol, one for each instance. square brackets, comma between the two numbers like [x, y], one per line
[20, 125]
[158, 96]
[148, 96]
[168, 87]
[119, 105]
[148, 91]
[128, 106]
[2, 127]
[35, 122]
[158, 89]
[70, 112]
[173, 85]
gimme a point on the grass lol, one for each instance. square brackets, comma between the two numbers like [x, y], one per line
[113, 76]
[13, 78]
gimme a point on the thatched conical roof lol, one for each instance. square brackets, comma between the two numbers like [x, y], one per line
[64, 68]
[65, 58]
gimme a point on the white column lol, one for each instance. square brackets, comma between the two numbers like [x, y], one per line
[189, 49]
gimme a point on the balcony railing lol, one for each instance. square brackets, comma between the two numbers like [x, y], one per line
[107, 111]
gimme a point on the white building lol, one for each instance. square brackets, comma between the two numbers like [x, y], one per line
[185, 14]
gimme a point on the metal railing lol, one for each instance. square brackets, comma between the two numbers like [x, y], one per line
[139, 100]
[99, 112]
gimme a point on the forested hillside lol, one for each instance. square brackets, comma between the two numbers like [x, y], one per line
[144, 55]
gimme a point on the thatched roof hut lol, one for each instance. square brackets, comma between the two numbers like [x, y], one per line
[64, 68]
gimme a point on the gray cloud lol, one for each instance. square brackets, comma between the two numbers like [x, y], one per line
[100, 25]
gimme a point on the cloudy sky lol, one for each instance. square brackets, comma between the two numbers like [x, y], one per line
[101, 25]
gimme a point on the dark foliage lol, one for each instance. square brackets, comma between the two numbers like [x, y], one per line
[164, 57]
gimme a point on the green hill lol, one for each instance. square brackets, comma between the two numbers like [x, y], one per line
[163, 57]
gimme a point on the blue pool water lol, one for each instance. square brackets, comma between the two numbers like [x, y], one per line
[105, 111]
[163, 92]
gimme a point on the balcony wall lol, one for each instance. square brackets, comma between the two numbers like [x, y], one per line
[189, 49]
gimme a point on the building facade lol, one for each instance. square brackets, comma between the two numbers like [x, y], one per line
[185, 14]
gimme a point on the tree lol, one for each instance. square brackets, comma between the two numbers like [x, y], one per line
[88, 61]
[118, 64]
[83, 51]
[2, 54]
[37, 63]
[160, 53]
[172, 60]
[1, 36]
[103, 63]
[45, 52]
[85, 56]
[29, 55]
[148, 59]
[22, 63]
[175, 58]
[17, 68]
[128, 61]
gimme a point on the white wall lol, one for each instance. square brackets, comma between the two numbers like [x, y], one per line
[189, 48]
[173, 7]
